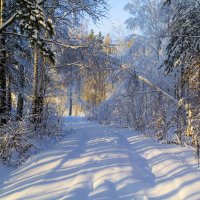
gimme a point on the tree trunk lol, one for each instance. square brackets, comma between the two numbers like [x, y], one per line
[2, 67]
[70, 103]
[35, 85]
[20, 101]
[20, 105]
[2, 89]
[42, 87]
[9, 96]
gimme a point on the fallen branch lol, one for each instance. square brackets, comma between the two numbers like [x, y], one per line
[145, 80]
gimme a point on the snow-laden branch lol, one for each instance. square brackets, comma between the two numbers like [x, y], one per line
[66, 45]
[141, 78]
[166, 36]
[8, 22]
[145, 80]
[55, 42]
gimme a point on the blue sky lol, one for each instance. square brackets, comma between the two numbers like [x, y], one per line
[115, 19]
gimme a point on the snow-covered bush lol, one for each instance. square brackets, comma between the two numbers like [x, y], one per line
[110, 112]
[14, 141]
[20, 139]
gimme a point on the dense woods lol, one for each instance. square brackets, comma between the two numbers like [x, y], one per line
[52, 66]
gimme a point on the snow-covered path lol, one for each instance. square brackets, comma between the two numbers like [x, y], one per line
[102, 163]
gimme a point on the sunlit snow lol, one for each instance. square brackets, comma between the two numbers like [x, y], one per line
[96, 162]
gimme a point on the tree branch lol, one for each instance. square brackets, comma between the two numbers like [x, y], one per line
[8, 22]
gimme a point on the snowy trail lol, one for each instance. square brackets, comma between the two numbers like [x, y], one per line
[103, 163]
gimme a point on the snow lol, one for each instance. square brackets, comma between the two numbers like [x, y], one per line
[5, 171]
[95, 162]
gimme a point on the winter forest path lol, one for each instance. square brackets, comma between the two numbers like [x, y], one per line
[97, 162]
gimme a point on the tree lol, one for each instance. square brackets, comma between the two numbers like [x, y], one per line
[2, 65]
[145, 47]
[183, 60]
[31, 22]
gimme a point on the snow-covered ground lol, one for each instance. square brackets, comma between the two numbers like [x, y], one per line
[103, 163]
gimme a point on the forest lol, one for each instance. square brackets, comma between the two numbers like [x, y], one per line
[52, 65]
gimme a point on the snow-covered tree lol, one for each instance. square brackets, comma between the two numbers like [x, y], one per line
[183, 59]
